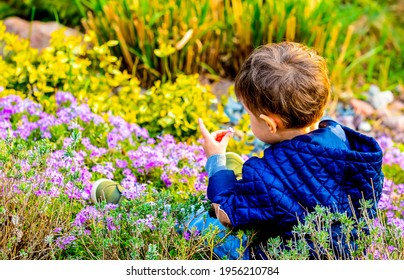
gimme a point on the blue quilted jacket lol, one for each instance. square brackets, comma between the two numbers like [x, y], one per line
[330, 166]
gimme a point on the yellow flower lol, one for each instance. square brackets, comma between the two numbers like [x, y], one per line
[164, 50]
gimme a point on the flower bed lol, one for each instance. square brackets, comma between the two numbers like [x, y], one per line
[48, 162]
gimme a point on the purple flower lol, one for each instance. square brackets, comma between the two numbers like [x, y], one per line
[121, 163]
[57, 230]
[127, 172]
[75, 125]
[62, 242]
[98, 152]
[112, 139]
[148, 221]
[187, 235]
[72, 191]
[107, 169]
[110, 206]
[164, 177]
[88, 213]
[132, 189]
[63, 97]
[53, 192]
[385, 143]
[110, 224]
[139, 132]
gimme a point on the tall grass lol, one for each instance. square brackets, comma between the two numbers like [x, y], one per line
[160, 39]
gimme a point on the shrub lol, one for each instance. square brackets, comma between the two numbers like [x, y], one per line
[48, 161]
[62, 11]
[174, 108]
[374, 238]
[143, 228]
[58, 176]
[159, 40]
[93, 74]
[69, 64]
[30, 212]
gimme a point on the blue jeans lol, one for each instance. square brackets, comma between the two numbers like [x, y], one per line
[227, 249]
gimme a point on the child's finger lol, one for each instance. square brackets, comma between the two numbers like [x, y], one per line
[205, 133]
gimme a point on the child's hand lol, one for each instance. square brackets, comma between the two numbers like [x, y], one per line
[215, 142]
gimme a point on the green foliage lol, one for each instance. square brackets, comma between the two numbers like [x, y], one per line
[27, 221]
[174, 108]
[62, 11]
[93, 75]
[147, 228]
[69, 64]
[373, 238]
[161, 39]
[395, 172]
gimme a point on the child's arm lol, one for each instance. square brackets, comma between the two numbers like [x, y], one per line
[250, 201]
[215, 163]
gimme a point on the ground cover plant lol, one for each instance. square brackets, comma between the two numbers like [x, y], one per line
[71, 114]
[48, 162]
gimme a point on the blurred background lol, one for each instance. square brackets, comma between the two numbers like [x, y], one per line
[361, 39]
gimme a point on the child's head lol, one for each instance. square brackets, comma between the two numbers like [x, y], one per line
[287, 79]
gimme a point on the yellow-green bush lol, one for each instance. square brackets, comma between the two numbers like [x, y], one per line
[89, 71]
[75, 63]
[174, 108]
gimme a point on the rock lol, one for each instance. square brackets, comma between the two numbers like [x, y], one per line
[344, 110]
[397, 106]
[365, 127]
[347, 121]
[379, 99]
[40, 31]
[222, 87]
[394, 122]
[362, 108]
[373, 89]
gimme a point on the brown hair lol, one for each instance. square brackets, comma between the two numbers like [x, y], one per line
[287, 79]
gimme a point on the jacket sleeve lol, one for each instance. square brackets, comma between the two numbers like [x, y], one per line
[242, 202]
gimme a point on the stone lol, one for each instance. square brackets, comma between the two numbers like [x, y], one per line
[373, 89]
[221, 87]
[397, 106]
[379, 99]
[40, 31]
[361, 107]
[347, 121]
[365, 127]
[394, 122]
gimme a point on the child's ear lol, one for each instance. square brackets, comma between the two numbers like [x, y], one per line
[271, 123]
